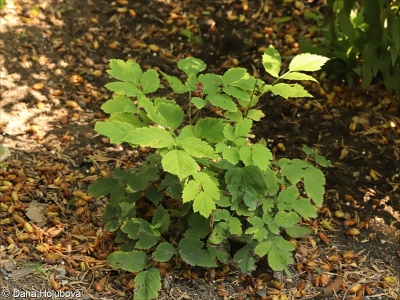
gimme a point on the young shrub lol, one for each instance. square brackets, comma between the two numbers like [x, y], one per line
[208, 181]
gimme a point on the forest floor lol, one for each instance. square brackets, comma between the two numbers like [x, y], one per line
[53, 58]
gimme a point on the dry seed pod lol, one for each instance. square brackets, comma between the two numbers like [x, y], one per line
[353, 231]
[339, 214]
[334, 257]
[349, 222]
[28, 227]
[390, 279]
[355, 288]
[349, 255]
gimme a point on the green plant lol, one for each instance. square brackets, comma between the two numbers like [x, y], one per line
[209, 181]
[363, 38]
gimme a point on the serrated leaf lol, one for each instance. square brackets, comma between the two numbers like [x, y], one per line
[118, 104]
[199, 227]
[198, 102]
[286, 219]
[171, 115]
[124, 88]
[196, 147]
[304, 208]
[221, 214]
[298, 231]
[210, 129]
[243, 127]
[237, 93]
[126, 118]
[298, 76]
[135, 227]
[176, 85]
[314, 181]
[246, 155]
[261, 156]
[222, 101]
[231, 155]
[244, 259]
[150, 137]
[277, 259]
[219, 233]
[147, 284]
[208, 185]
[211, 83]
[115, 130]
[235, 226]
[161, 216]
[263, 248]
[289, 91]
[190, 191]
[192, 252]
[191, 65]
[204, 204]
[150, 81]
[147, 240]
[271, 61]
[255, 114]
[289, 195]
[133, 261]
[125, 71]
[307, 62]
[164, 252]
[234, 75]
[179, 163]
[104, 186]
[112, 225]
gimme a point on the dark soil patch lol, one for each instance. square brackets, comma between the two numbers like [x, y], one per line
[53, 58]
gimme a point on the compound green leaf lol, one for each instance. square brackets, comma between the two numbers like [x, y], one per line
[222, 101]
[231, 155]
[211, 83]
[115, 130]
[134, 261]
[236, 92]
[219, 233]
[244, 259]
[298, 231]
[314, 181]
[204, 204]
[124, 88]
[243, 127]
[147, 284]
[289, 195]
[190, 191]
[263, 248]
[289, 91]
[135, 227]
[196, 147]
[298, 76]
[246, 155]
[147, 240]
[261, 156]
[150, 137]
[164, 252]
[221, 214]
[119, 104]
[104, 186]
[199, 102]
[125, 71]
[304, 208]
[208, 185]
[210, 129]
[171, 115]
[161, 216]
[192, 252]
[234, 75]
[235, 226]
[271, 61]
[255, 114]
[191, 65]
[199, 227]
[286, 219]
[179, 163]
[278, 259]
[150, 81]
[176, 85]
[307, 62]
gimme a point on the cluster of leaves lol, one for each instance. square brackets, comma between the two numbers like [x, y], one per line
[207, 183]
[363, 37]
